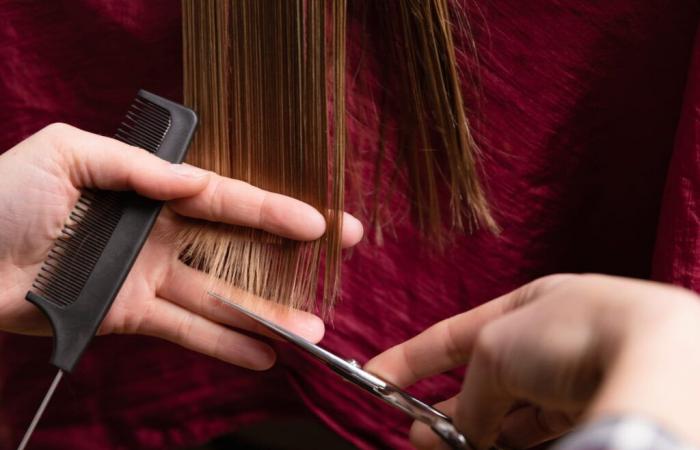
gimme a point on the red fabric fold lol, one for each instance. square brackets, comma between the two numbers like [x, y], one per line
[678, 241]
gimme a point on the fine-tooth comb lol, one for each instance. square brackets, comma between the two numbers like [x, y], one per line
[89, 262]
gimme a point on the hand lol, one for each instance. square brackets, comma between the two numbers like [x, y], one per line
[558, 350]
[40, 181]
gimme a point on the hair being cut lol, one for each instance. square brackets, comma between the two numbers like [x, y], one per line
[267, 78]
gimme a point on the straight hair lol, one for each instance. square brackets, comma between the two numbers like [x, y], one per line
[267, 78]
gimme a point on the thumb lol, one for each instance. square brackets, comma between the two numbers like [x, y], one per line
[100, 162]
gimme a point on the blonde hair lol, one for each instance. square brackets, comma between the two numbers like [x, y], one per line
[267, 78]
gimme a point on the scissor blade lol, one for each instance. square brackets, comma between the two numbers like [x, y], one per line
[323, 355]
[348, 369]
[352, 372]
[279, 331]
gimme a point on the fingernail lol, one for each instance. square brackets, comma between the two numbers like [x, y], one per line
[353, 225]
[185, 170]
[312, 328]
[267, 359]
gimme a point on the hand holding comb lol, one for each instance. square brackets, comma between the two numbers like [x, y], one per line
[95, 252]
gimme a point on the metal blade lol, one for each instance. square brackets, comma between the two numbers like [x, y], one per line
[40, 411]
[349, 370]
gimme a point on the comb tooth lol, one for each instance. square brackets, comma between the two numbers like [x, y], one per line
[141, 127]
[77, 215]
[54, 290]
[59, 290]
[153, 135]
[83, 230]
[156, 109]
[129, 140]
[144, 136]
[41, 287]
[79, 263]
[78, 248]
[64, 243]
[88, 195]
[147, 112]
[147, 122]
[82, 206]
[146, 119]
[136, 118]
[69, 283]
[41, 276]
[73, 250]
[144, 115]
[101, 219]
[136, 115]
[57, 296]
[42, 282]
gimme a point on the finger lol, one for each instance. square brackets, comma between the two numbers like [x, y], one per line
[188, 288]
[484, 401]
[422, 437]
[443, 346]
[524, 427]
[96, 161]
[352, 231]
[238, 203]
[448, 344]
[168, 321]
[529, 426]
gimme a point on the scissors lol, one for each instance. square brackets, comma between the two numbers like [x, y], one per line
[351, 371]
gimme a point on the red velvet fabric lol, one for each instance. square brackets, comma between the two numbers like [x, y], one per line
[588, 123]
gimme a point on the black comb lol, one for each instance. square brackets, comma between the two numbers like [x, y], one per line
[90, 260]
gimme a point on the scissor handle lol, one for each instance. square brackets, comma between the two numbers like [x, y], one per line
[440, 423]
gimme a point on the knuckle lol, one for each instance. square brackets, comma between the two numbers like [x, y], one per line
[58, 137]
[454, 348]
[56, 133]
[550, 281]
[407, 363]
[135, 322]
[51, 148]
[487, 346]
[217, 201]
[57, 129]
[491, 354]
[553, 423]
[220, 349]
[184, 328]
[539, 287]
[262, 220]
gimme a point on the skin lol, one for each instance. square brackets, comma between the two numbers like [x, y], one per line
[40, 182]
[561, 350]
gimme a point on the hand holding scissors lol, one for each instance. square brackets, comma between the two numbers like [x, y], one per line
[351, 371]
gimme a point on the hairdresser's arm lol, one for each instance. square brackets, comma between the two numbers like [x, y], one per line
[40, 181]
[561, 350]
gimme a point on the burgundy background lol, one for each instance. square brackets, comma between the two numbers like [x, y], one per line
[589, 125]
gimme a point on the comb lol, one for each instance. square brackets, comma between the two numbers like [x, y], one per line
[90, 260]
